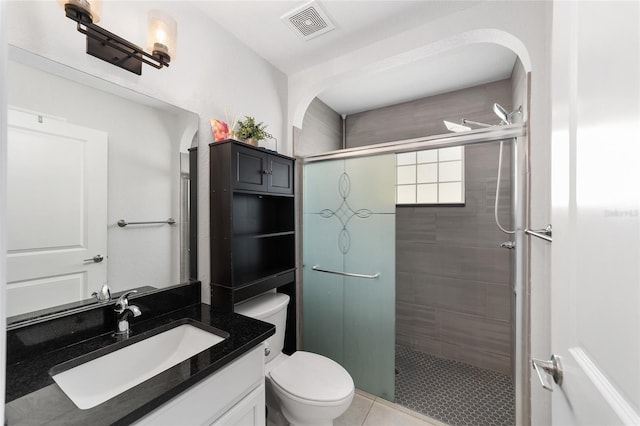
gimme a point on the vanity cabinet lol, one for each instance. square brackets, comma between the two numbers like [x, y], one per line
[252, 222]
[235, 395]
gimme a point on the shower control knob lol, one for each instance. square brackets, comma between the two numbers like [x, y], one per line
[510, 245]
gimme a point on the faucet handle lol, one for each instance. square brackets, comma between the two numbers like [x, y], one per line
[104, 295]
[123, 301]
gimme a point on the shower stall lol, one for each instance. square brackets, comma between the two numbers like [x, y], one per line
[351, 312]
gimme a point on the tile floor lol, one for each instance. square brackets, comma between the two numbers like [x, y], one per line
[369, 410]
[453, 392]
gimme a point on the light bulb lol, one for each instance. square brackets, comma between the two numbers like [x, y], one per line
[161, 35]
[93, 8]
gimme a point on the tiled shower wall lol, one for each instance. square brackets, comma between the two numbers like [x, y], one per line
[453, 291]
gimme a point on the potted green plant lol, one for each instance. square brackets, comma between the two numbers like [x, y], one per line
[251, 131]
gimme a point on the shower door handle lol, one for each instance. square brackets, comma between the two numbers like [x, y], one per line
[346, 274]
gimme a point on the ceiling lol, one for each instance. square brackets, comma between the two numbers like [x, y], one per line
[258, 25]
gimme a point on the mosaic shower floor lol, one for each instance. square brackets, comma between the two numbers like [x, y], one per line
[453, 392]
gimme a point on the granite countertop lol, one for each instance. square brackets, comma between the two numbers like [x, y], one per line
[34, 398]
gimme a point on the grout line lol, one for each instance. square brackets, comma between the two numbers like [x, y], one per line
[368, 412]
[412, 413]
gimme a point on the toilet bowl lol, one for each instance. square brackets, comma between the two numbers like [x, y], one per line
[304, 388]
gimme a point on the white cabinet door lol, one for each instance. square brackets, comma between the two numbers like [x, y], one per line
[56, 212]
[216, 395]
[596, 212]
[248, 412]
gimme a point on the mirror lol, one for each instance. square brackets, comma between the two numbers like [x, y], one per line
[84, 154]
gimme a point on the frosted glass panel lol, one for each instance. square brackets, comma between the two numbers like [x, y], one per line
[325, 192]
[322, 296]
[369, 315]
[406, 174]
[351, 320]
[372, 182]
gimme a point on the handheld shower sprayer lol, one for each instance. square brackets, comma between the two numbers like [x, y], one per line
[505, 119]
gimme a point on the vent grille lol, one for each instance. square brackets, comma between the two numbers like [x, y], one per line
[308, 21]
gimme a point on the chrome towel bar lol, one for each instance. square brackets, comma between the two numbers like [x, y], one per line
[122, 223]
[545, 233]
[346, 274]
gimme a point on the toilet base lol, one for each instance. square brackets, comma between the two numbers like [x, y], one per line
[277, 415]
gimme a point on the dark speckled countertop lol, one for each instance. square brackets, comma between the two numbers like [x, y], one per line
[34, 398]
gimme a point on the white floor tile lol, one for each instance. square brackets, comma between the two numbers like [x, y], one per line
[384, 415]
[356, 413]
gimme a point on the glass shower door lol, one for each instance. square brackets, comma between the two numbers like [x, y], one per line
[349, 267]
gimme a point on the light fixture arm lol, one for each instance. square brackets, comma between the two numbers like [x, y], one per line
[112, 48]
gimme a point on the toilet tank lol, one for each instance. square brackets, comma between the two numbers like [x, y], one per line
[271, 308]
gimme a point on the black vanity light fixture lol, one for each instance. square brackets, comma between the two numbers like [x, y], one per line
[161, 37]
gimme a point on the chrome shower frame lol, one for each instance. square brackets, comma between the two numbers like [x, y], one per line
[520, 209]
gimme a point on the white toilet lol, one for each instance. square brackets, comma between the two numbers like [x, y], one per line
[305, 388]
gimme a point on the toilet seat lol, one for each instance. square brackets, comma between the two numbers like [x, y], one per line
[313, 379]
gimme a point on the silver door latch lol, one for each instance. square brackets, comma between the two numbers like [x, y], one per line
[552, 368]
[97, 259]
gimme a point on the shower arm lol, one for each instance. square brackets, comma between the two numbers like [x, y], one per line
[477, 123]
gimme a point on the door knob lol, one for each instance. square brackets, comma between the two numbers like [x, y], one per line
[552, 368]
[97, 259]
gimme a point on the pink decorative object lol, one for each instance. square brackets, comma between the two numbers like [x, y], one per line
[220, 130]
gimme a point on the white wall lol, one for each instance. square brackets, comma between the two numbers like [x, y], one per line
[212, 71]
[3, 199]
[524, 27]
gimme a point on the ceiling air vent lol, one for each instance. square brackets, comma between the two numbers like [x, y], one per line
[308, 21]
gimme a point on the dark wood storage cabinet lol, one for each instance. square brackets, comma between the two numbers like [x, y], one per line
[252, 224]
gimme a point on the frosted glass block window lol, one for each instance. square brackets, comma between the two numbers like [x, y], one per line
[434, 176]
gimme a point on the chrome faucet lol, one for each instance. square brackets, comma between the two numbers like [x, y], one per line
[123, 312]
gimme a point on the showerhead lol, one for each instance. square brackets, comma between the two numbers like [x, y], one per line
[455, 127]
[502, 113]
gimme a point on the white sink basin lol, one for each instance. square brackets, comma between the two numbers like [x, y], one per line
[98, 380]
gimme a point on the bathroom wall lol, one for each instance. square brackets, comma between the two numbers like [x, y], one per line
[231, 77]
[453, 282]
[423, 117]
[321, 131]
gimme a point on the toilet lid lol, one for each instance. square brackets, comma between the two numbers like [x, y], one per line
[313, 377]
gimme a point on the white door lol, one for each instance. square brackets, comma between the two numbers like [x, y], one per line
[596, 212]
[56, 212]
